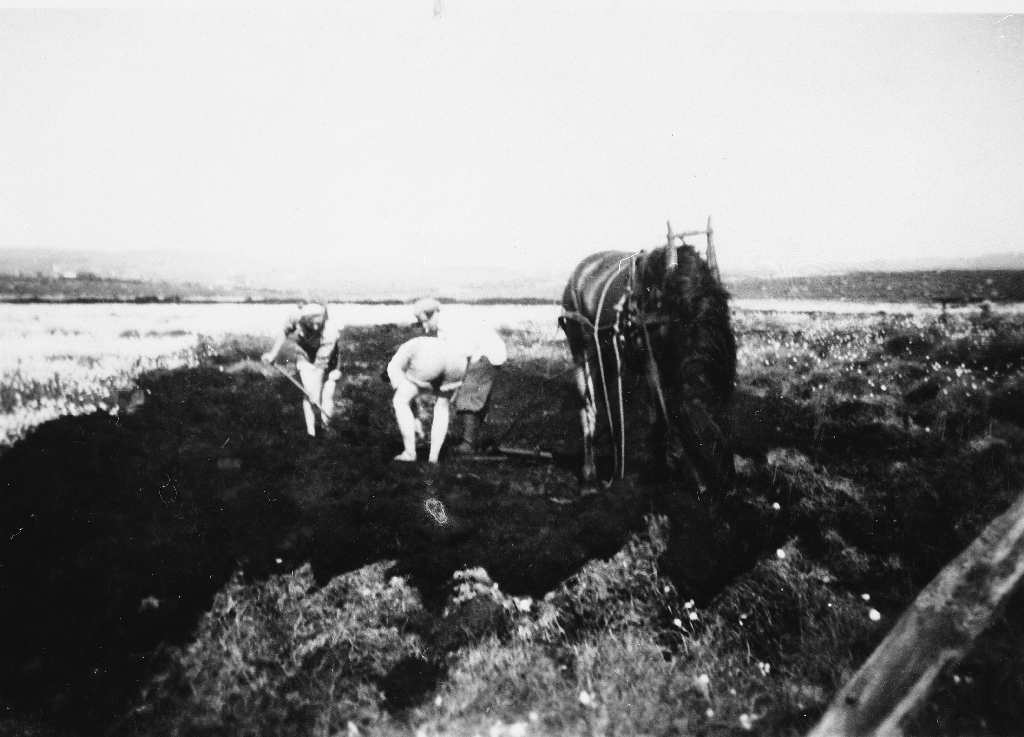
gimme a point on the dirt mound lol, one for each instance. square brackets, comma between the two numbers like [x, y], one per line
[118, 531]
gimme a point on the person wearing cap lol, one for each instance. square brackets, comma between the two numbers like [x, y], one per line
[484, 352]
[424, 365]
[318, 360]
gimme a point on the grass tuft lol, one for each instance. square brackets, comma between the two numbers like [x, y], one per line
[284, 657]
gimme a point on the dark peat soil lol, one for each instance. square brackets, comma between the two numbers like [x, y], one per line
[117, 531]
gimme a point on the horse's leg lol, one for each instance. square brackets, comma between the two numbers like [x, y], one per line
[677, 457]
[588, 423]
[713, 450]
[677, 438]
[588, 409]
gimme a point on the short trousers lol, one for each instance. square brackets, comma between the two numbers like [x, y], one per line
[475, 391]
[436, 386]
[326, 355]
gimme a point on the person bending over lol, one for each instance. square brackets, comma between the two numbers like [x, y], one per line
[318, 361]
[485, 352]
[424, 365]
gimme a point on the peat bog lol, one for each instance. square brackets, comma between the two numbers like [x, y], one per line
[118, 531]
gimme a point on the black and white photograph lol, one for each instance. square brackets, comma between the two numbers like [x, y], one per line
[441, 368]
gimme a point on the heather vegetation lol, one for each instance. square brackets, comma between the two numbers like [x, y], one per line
[342, 595]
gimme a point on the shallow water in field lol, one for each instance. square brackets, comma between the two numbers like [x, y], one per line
[57, 359]
[108, 321]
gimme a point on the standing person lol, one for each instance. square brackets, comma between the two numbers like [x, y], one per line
[421, 365]
[485, 353]
[318, 362]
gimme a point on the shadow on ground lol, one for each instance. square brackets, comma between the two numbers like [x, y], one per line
[118, 531]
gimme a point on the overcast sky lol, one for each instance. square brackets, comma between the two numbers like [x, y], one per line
[511, 133]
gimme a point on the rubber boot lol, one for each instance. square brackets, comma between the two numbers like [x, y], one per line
[470, 424]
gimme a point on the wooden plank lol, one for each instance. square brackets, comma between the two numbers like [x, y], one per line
[526, 452]
[936, 631]
[689, 233]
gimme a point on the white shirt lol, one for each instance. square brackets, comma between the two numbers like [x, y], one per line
[472, 337]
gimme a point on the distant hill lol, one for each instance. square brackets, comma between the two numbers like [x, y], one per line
[921, 286]
[359, 280]
[87, 287]
[186, 276]
[997, 285]
[989, 262]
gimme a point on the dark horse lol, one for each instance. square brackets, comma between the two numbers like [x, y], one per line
[663, 314]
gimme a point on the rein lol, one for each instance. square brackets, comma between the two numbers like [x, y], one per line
[635, 314]
[619, 467]
[653, 374]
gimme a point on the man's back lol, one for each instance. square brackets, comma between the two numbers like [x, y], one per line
[431, 361]
[472, 336]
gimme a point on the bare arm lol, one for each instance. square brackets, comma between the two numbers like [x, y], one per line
[397, 365]
[271, 355]
[290, 326]
[335, 373]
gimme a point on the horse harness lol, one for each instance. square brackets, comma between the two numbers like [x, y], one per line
[632, 321]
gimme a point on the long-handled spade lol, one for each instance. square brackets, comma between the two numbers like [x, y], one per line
[323, 414]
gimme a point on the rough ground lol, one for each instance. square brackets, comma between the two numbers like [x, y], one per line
[118, 530]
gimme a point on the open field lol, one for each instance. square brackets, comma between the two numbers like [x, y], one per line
[191, 563]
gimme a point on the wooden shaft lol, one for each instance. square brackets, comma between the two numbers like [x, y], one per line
[323, 414]
[937, 630]
[671, 258]
[712, 258]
